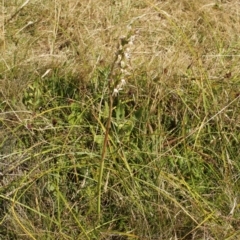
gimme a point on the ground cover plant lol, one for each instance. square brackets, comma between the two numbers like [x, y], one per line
[119, 119]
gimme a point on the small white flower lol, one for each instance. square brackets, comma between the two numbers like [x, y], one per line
[125, 72]
[115, 92]
[128, 50]
[127, 56]
[131, 40]
[122, 64]
[119, 58]
[123, 82]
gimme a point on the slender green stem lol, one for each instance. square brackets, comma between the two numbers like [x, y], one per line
[107, 131]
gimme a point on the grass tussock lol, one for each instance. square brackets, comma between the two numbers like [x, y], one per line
[119, 119]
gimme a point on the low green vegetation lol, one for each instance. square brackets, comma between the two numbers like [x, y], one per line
[119, 120]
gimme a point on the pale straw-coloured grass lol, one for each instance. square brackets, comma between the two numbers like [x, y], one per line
[170, 168]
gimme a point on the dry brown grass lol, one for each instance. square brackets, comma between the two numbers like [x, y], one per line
[81, 35]
[185, 72]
